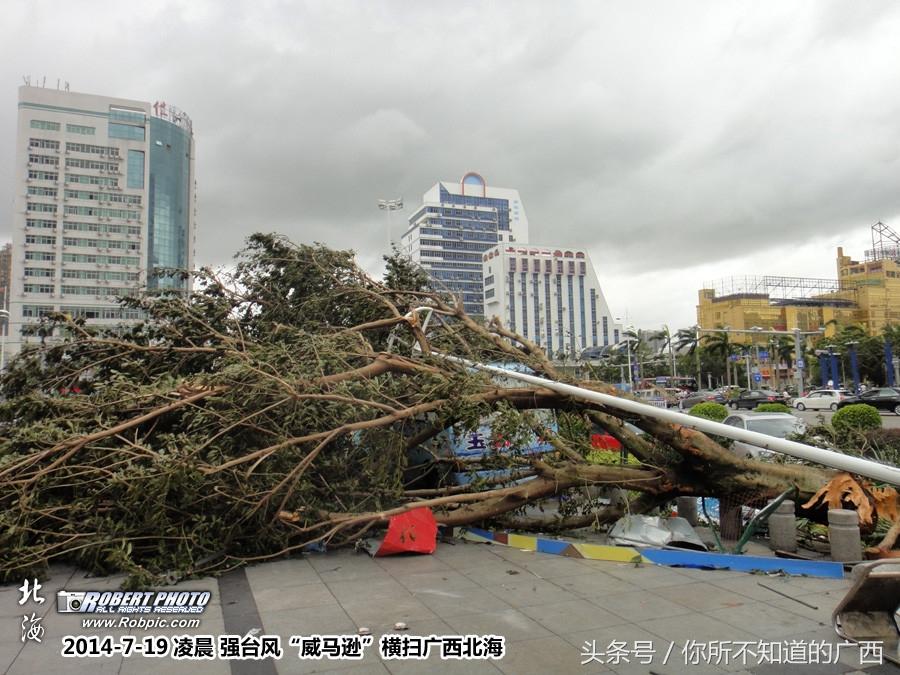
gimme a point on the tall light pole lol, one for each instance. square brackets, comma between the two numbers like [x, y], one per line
[390, 205]
[4, 314]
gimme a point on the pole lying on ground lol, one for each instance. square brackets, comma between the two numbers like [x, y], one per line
[829, 458]
[835, 460]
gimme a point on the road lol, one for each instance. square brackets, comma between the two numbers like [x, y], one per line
[888, 420]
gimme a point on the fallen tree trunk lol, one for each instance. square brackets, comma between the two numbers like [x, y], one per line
[282, 408]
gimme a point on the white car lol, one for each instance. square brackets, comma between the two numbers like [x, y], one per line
[821, 399]
[779, 425]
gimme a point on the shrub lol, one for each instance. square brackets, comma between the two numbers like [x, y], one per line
[858, 417]
[710, 410]
[884, 445]
[772, 407]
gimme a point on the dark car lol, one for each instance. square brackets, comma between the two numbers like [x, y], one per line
[750, 398]
[702, 396]
[883, 398]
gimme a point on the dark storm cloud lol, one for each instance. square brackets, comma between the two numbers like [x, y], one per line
[654, 134]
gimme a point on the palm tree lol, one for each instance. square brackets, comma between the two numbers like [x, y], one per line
[638, 340]
[666, 339]
[720, 344]
[687, 340]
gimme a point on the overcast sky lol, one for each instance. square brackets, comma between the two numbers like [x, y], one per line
[677, 142]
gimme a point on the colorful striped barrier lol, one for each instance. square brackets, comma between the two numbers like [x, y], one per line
[658, 556]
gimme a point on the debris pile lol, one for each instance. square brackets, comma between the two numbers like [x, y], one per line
[297, 402]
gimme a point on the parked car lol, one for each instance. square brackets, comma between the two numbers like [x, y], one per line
[882, 398]
[702, 396]
[821, 399]
[779, 425]
[750, 398]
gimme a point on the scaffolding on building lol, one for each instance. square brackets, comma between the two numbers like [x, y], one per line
[885, 244]
[778, 290]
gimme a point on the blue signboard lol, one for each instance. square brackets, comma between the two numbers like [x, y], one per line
[801, 364]
[661, 380]
[757, 377]
[763, 354]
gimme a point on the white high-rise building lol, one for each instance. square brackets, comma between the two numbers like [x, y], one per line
[549, 295]
[104, 198]
[456, 223]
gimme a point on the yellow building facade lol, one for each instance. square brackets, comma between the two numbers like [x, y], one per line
[864, 293]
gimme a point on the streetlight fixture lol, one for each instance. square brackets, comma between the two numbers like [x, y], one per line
[390, 205]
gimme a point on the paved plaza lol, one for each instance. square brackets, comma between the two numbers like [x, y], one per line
[554, 612]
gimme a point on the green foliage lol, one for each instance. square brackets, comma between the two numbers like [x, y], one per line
[710, 410]
[772, 408]
[857, 418]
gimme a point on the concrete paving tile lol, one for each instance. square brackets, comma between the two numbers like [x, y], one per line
[459, 602]
[571, 616]
[307, 595]
[818, 585]
[356, 590]
[529, 592]
[46, 656]
[596, 583]
[282, 573]
[493, 571]
[764, 620]
[446, 580]
[702, 597]
[517, 555]
[696, 627]
[316, 621]
[546, 655]
[405, 565]
[408, 610]
[646, 576]
[511, 624]
[637, 606]
[355, 572]
[709, 576]
[553, 567]
[825, 606]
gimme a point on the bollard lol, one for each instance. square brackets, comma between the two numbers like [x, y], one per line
[687, 509]
[783, 528]
[843, 533]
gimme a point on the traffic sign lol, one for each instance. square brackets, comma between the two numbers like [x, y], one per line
[661, 380]
[801, 364]
[763, 354]
[757, 377]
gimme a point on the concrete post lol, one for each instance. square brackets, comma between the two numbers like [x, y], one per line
[843, 533]
[687, 509]
[783, 528]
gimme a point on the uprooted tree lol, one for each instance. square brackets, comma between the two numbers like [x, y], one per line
[297, 401]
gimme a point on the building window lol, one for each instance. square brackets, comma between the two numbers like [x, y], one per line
[43, 289]
[135, 169]
[524, 280]
[41, 208]
[559, 313]
[616, 335]
[594, 318]
[45, 125]
[38, 272]
[571, 315]
[547, 315]
[80, 129]
[38, 191]
[45, 256]
[43, 143]
[537, 305]
[36, 174]
[40, 223]
[43, 159]
[40, 239]
[512, 300]
[581, 308]
[126, 131]
[606, 331]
